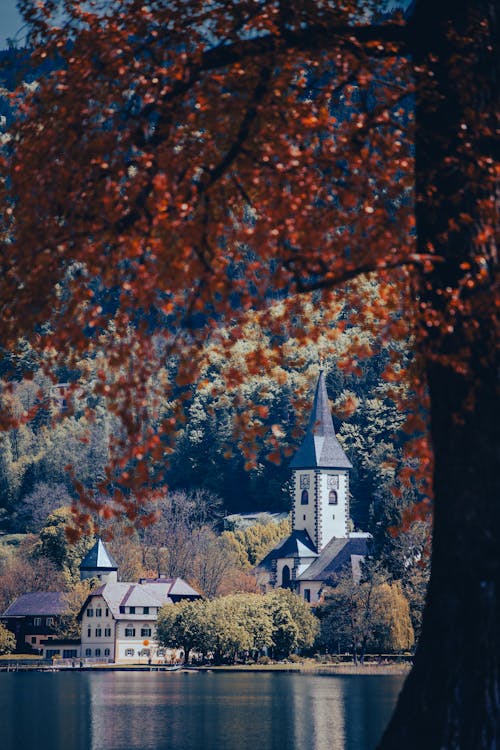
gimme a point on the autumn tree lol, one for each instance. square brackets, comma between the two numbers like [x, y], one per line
[211, 158]
[7, 640]
[68, 625]
[183, 626]
[53, 544]
[365, 616]
[251, 545]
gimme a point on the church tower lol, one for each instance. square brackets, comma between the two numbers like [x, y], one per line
[321, 477]
[98, 563]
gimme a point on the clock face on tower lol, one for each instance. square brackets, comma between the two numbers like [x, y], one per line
[332, 482]
[305, 481]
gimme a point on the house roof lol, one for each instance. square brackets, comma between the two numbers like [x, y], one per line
[320, 447]
[174, 586]
[37, 603]
[337, 555]
[152, 593]
[298, 544]
[98, 558]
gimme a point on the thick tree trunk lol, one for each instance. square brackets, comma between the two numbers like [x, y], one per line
[451, 698]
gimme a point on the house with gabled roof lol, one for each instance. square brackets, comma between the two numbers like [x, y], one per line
[320, 545]
[33, 618]
[118, 619]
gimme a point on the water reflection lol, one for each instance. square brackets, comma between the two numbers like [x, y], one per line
[193, 711]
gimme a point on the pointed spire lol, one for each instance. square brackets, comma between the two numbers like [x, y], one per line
[320, 447]
[98, 558]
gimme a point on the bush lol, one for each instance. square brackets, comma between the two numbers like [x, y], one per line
[264, 660]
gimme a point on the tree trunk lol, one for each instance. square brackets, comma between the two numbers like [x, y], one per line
[451, 698]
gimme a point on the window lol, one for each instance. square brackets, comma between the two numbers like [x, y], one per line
[49, 620]
[98, 612]
[145, 632]
[122, 610]
[90, 612]
[129, 652]
[89, 632]
[98, 652]
[107, 612]
[307, 595]
[145, 610]
[107, 632]
[70, 653]
[285, 577]
[129, 632]
[304, 517]
[132, 610]
[33, 639]
[304, 498]
[333, 498]
[88, 652]
[37, 621]
[106, 652]
[98, 632]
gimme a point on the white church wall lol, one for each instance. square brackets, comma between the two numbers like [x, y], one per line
[309, 590]
[304, 515]
[333, 494]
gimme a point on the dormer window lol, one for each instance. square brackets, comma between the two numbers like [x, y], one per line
[304, 498]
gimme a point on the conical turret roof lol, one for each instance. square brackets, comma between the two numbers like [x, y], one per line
[320, 447]
[98, 558]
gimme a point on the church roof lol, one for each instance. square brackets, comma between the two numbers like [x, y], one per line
[335, 556]
[298, 544]
[320, 447]
[98, 558]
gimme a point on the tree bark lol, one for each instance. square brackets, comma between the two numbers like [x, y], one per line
[451, 698]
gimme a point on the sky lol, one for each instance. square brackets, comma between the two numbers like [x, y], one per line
[10, 22]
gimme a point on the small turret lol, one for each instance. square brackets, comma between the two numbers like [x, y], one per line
[98, 563]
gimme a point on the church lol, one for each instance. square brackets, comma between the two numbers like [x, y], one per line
[320, 545]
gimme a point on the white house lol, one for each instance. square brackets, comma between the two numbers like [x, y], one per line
[118, 619]
[320, 544]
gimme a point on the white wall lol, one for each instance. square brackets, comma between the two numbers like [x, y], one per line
[103, 621]
[321, 520]
[333, 517]
[304, 516]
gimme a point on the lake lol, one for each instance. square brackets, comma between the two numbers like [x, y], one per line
[194, 711]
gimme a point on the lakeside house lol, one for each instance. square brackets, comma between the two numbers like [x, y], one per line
[33, 618]
[320, 545]
[119, 618]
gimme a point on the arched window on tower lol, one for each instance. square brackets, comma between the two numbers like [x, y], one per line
[285, 577]
[333, 498]
[304, 498]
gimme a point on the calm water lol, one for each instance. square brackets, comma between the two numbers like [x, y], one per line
[194, 711]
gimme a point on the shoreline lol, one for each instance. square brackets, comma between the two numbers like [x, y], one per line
[339, 669]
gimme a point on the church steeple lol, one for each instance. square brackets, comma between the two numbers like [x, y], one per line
[321, 477]
[320, 447]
